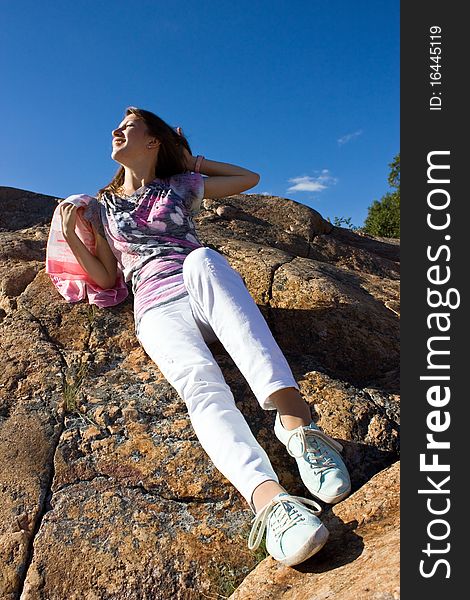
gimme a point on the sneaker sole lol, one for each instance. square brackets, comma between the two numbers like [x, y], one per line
[331, 499]
[311, 547]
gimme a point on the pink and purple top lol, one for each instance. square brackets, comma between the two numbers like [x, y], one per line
[151, 233]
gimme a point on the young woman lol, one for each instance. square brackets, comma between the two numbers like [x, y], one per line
[187, 295]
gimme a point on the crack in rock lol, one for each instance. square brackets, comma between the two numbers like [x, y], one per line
[45, 498]
[44, 503]
[274, 269]
[141, 488]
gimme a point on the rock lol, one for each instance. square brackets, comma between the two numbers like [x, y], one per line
[106, 491]
[250, 218]
[22, 209]
[30, 415]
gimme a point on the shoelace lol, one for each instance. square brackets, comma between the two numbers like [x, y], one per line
[322, 460]
[284, 518]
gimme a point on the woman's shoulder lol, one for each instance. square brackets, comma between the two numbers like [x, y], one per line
[80, 199]
[90, 204]
[190, 187]
[185, 178]
[91, 210]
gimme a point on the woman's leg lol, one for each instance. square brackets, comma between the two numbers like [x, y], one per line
[220, 299]
[171, 336]
[175, 342]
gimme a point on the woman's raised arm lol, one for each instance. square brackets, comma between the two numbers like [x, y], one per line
[225, 179]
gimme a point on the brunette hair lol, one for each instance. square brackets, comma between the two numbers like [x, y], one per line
[170, 155]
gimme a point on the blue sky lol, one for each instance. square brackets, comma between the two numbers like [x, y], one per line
[305, 93]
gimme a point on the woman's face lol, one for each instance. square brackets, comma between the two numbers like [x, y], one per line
[131, 141]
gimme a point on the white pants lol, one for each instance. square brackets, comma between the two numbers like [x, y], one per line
[218, 306]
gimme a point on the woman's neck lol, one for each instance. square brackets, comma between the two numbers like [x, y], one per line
[136, 178]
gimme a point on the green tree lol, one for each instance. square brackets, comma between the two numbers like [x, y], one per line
[394, 177]
[383, 218]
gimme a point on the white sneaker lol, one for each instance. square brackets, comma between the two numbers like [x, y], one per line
[293, 532]
[319, 461]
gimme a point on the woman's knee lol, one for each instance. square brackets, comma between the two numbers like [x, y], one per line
[199, 257]
[207, 398]
[203, 261]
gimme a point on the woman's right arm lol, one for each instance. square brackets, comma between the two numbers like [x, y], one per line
[101, 268]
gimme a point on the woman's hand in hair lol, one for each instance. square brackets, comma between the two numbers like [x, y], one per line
[189, 159]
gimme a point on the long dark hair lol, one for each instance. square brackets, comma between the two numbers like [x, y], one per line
[170, 155]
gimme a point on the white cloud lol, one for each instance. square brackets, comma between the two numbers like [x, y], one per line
[312, 184]
[348, 137]
[265, 193]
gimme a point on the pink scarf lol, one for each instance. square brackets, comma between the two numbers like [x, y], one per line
[71, 280]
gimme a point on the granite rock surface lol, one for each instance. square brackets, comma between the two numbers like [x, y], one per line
[105, 491]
